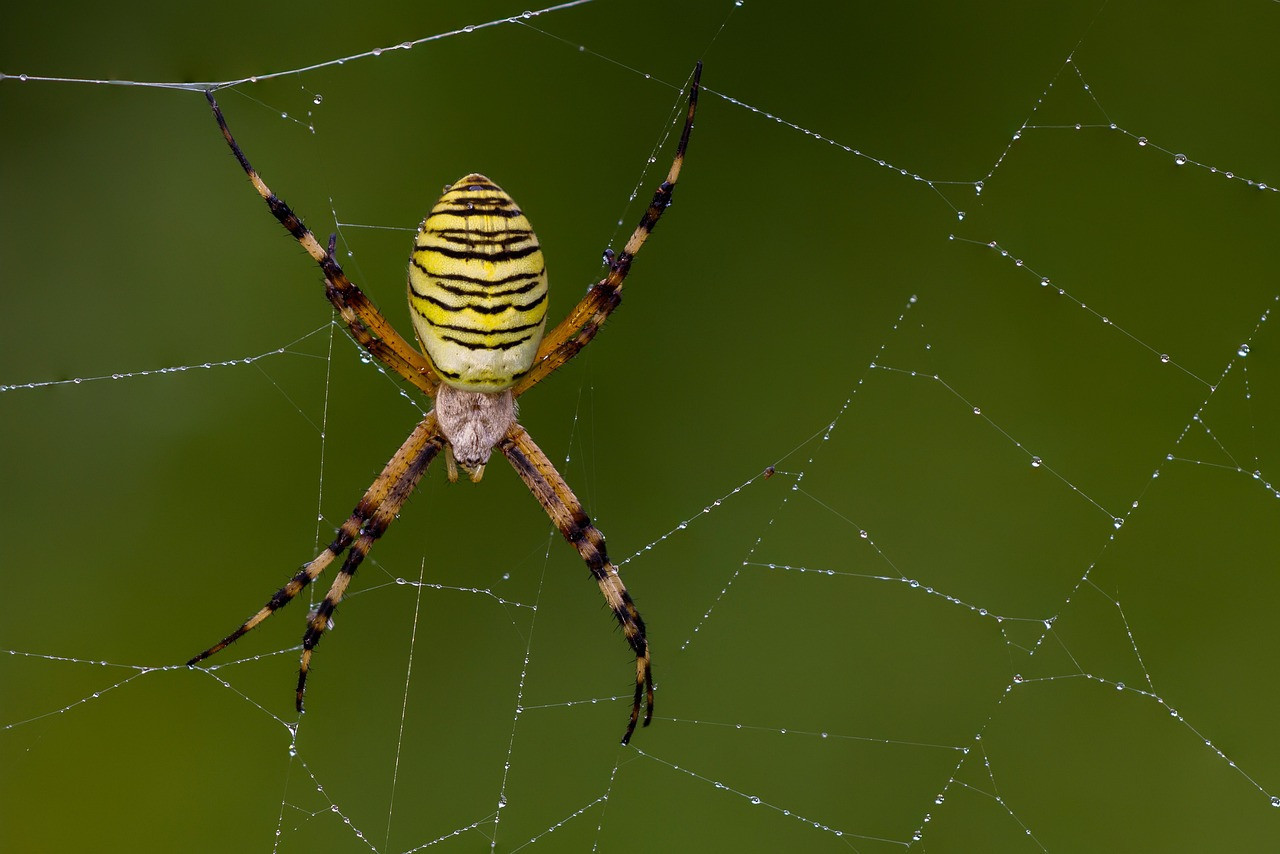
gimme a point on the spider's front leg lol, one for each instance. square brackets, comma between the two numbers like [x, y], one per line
[370, 518]
[566, 512]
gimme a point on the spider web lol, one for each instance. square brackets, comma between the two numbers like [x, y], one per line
[990, 292]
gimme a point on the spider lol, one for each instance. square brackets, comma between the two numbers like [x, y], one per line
[477, 297]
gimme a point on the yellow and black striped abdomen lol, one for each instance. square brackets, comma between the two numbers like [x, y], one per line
[478, 287]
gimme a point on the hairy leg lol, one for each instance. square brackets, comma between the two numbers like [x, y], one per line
[566, 512]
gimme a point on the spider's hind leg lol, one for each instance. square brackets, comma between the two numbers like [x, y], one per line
[573, 333]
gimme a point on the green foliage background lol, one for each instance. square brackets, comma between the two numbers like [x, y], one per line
[144, 516]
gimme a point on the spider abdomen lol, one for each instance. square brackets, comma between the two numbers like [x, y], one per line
[478, 287]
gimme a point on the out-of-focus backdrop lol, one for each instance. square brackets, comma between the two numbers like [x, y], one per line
[988, 286]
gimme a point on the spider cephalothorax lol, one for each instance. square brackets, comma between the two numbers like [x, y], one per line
[478, 297]
[473, 423]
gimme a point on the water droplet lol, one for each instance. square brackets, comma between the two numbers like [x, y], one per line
[1164, 357]
[1243, 351]
[318, 99]
[1035, 462]
[1017, 677]
[1142, 140]
[1119, 686]
[977, 410]
[755, 800]
[1180, 159]
[1117, 522]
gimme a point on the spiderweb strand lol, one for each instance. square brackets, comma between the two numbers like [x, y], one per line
[1249, 463]
[329, 63]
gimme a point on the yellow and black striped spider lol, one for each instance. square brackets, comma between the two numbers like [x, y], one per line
[477, 295]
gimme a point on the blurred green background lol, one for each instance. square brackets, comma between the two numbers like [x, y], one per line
[766, 323]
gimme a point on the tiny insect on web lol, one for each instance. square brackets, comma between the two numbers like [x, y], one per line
[477, 294]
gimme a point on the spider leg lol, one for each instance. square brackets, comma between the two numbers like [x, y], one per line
[575, 331]
[391, 487]
[566, 512]
[365, 323]
[373, 527]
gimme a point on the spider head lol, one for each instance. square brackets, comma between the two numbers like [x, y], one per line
[473, 422]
